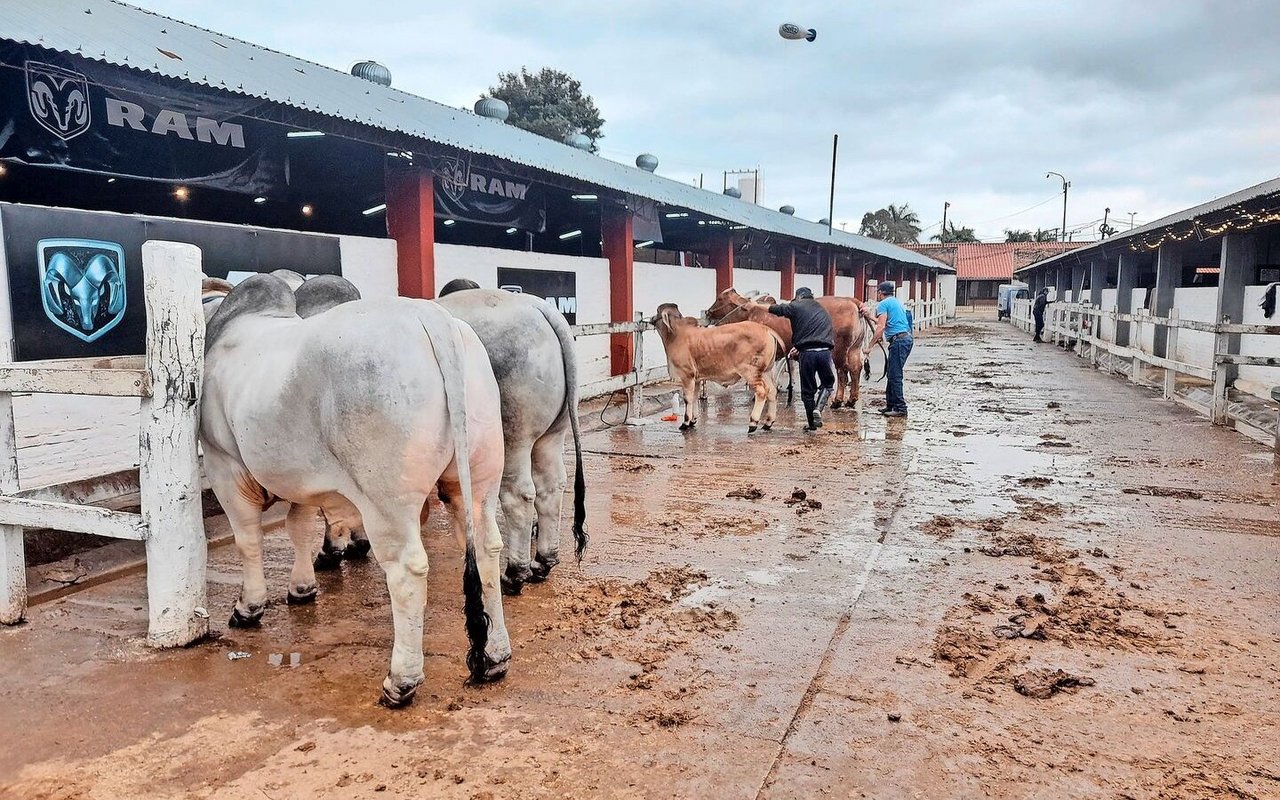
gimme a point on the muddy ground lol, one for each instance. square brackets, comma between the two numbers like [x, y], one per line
[1045, 583]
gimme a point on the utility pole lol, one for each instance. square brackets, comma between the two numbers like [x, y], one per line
[1066, 184]
[831, 202]
[1132, 214]
[942, 236]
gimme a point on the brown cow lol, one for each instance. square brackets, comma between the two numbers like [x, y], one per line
[847, 315]
[725, 354]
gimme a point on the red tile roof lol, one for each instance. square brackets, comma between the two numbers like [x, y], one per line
[991, 260]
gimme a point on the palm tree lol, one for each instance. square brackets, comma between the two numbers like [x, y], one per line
[952, 234]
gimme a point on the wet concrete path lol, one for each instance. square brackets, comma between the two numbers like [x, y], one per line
[902, 639]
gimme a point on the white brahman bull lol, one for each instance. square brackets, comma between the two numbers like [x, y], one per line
[531, 348]
[361, 412]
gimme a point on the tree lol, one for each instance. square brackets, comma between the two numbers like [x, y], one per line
[1018, 236]
[1046, 236]
[897, 224]
[549, 103]
[951, 234]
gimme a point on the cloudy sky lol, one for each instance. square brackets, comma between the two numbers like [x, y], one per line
[1147, 107]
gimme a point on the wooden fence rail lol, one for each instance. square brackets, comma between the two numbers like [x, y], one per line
[1081, 324]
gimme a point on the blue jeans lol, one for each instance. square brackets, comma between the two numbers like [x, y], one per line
[899, 350]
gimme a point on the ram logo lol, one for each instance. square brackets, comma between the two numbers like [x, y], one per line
[82, 285]
[58, 99]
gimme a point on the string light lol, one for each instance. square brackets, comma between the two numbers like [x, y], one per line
[182, 193]
[1242, 221]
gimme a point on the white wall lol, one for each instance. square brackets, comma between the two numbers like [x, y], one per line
[480, 264]
[370, 264]
[1259, 345]
[846, 286]
[947, 291]
[756, 280]
[1201, 305]
[1108, 327]
[691, 288]
[814, 282]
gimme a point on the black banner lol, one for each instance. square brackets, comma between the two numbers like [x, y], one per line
[476, 188]
[560, 289]
[75, 277]
[73, 113]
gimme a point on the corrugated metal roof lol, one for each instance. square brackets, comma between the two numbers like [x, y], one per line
[1271, 187]
[989, 261]
[119, 34]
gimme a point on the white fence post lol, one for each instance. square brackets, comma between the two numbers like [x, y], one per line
[1136, 343]
[1171, 352]
[1218, 402]
[169, 475]
[13, 565]
[635, 399]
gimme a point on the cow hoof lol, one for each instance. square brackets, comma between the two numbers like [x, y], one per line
[492, 670]
[539, 571]
[358, 549]
[252, 619]
[302, 597]
[837, 404]
[327, 560]
[398, 695]
[768, 426]
[684, 426]
[751, 429]
[511, 588]
[513, 579]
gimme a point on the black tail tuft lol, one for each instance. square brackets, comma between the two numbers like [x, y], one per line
[866, 367]
[579, 508]
[477, 619]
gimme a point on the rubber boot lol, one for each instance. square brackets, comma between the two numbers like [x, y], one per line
[823, 396]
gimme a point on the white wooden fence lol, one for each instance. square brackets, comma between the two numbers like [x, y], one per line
[168, 379]
[1082, 324]
[925, 313]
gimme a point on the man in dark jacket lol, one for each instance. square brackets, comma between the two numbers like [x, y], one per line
[1037, 311]
[813, 336]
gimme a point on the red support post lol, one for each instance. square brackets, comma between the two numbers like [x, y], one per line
[619, 249]
[911, 286]
[860, 289]
[721, 257]
[788, 283]
[411, 221]
[829, 276]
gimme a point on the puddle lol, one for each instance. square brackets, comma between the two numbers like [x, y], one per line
[762, 577]
[706, 596]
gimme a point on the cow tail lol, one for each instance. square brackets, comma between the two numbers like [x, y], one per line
[569, 356]
[868, 333]
[446, 340]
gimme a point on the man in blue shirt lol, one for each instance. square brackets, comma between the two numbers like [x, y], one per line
[893, 326]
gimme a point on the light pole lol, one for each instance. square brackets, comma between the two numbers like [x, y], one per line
[1066, 184]
[1132, 214]
[945, 206]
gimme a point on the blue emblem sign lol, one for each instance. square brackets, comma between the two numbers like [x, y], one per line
[82, 285]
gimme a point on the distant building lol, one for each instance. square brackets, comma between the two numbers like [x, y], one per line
[982, 266]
